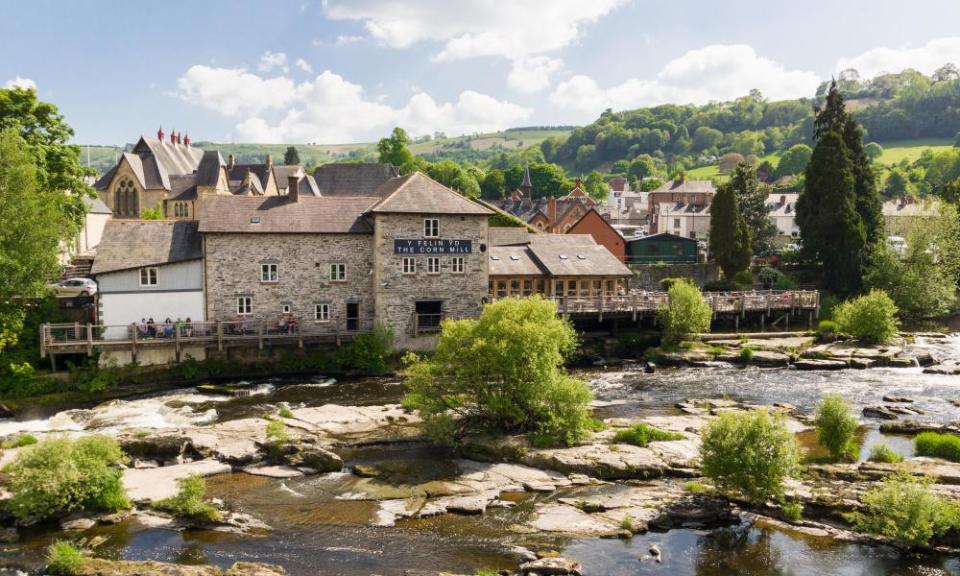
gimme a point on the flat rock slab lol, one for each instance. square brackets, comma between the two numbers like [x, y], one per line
[100, 567]
[618, 461]
[152, 484]
[820, 364]
[551, 567]
[280, 472]
[359, 423]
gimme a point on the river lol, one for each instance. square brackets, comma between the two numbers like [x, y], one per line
[320, 529]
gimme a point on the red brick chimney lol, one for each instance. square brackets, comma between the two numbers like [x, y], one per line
[173, 137]
[160, 134]
[186, 140]
[179, 139]
[293, 188]
[551, 213]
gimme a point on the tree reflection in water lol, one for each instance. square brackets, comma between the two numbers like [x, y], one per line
[739, 550]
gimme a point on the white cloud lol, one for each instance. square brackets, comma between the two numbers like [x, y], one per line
[712, 73]
[926, 58]
[348, 39]
[329, 108]
[234, 91]
[271, 60]
[303, 65]
[531, 75]
[19, 82]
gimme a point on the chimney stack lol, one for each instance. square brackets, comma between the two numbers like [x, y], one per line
[783, 199]
[552, 213]
[293, 188]
[230, 161]
[173, 137]
[186, 140]
[269, 160]
[160, 134]
[179, 139]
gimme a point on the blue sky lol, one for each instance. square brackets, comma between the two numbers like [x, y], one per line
[332, 71]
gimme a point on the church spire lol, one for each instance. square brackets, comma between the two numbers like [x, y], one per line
[526, 186]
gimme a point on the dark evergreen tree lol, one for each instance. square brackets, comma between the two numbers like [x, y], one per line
[291, 157]
[729, 235]
[830, 226]
[750, 201]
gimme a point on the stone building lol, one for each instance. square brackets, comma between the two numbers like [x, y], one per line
[681, 207]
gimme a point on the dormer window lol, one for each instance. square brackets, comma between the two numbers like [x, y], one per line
[431, 228]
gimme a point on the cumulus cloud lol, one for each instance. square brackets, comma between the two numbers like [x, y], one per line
[521, 31]
[303, 65]
[531, 75]
[272, 60]
[20, 82]
[343, 39]
[329, 108]
[717, 72]
[926, 58]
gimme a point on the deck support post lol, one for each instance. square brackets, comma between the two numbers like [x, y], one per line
[176, 338]
[260, 336]
[219, 336]
[133, 341]
[89, 339]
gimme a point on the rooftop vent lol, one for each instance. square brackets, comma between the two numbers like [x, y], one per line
[492, 257]
[563, 256]
[581, 257]
[514, 257]
[255, 220]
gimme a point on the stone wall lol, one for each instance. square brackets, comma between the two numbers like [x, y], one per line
[396, 294]
[648, 276]
[233, 269]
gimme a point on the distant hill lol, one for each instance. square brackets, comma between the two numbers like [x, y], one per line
[472, 148]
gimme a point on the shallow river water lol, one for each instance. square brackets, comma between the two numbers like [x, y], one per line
[319, 529]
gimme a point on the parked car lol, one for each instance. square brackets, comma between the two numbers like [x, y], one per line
[73, 287]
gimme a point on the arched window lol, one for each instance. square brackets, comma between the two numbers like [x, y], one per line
[125, 200]
[181, 210]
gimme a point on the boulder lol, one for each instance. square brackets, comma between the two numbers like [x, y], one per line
[77, 523]
[152, 484]
[948, 368]
[862, 363]
[820, 364]
[881, 412]
[551, 567]
[897, 399]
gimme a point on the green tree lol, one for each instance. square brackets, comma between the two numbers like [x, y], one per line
[794, 160]
[873, 151]
[836, 426]
[729, 236]
[919, 283]
[830, 226]
[514, 380]
[905, 509]
[685, 313]
[871, 317]
[897, 184]
[291, 157]
[705, 138]
[45, 139]
[642, 166]
[751, 199]
[494, 185]
[37, 218]
[596, 186]
[752, 452]
[394, 150]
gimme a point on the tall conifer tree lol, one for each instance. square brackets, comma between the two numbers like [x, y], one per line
[751, 203]
[729, 235]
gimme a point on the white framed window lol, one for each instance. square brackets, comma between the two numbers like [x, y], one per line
[244, 305]
[338, 272]
[456, 265]
[433, 265]
[321, 313]
[431, 228]
[409, 265]
[148, 276]
[269, 272]
[285, 309]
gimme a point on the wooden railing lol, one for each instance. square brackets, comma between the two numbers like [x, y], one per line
[82, 338]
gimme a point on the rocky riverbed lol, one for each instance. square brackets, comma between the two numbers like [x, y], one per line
[360, 493]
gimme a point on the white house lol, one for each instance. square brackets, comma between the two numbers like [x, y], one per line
[782, 209]
[682, 219]
[87, 240]
[148, 269]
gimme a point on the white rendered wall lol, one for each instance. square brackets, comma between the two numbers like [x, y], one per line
[129, 308]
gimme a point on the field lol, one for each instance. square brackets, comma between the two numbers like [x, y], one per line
[896, 151]
[713, 172]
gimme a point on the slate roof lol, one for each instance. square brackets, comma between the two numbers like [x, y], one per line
[665, 236]
[686, 186]
[183, 187]
[208, 171]
[279, 215]
[417, 193]
[306, 185]
[129, 244]
[261, 171]
[342, 179]
[513, 261]
[507, 235]
[786, 207]
[155, 162]
[96, 206]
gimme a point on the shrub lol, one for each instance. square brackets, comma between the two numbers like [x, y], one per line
[944, 446]
[827, 331]
[743, 279]
[63, 559]
[695, 487]
[724, 285]
[905, 509]
[793, 512]
[627, 523]
[746, 354]
[785, 282]
[641, 435]
[59, 476]
[883, 453]
[188, 502]
[369, 352]
[276, 432]
[836, 426]
[686, 313]
[871, 318]
[285, 411]
[667, 283]
[514, 380]
[20, 441]
[752, 452]
[769, 276]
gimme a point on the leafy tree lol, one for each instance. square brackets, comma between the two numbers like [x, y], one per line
[494, 185]
[394, 150]
[547, 179]
[905, 509]
[873, 151]
[291, 157]
[514, 380]
[836, 426]
[453, 175]
[596, 186]
[751, 199]
[189, 501]
[705, 138]
[642, 166]
[729, 236]
[37, 218]
[752, 452]
[686, 312]
[897, 184]
[620, 167]
[830, 226]
[730, 161]
[59, 476]
[920, 285]
[45, 139]
[871, 318]
[794, 160]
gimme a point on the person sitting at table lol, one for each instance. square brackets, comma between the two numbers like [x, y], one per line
[151, 328]
[292, 324]
[168, 328]
[188, 328]
[282, 326]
